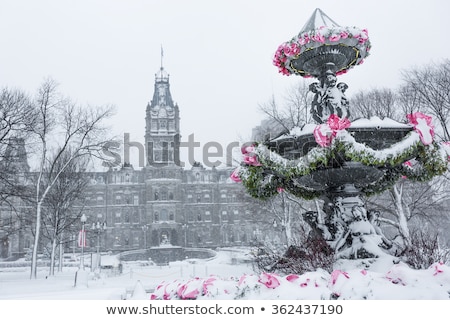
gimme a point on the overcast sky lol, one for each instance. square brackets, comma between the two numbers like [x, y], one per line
[218, 53]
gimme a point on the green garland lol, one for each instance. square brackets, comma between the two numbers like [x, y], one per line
[275, 172]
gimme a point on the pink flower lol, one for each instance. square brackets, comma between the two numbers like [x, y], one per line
[304, 284]
[407, 163]
[363, 36]
[252, 160]
[335, 275]
[269, 280]
[292, 277]
[335, 37]
[291, 50]
[318, 38]
[341, 72]
[304, 40]
[336, 123]
[344, 35]
[246, 279]
[364, 271]
[235, 175]
[284, 71]
[208, 282]
[280, 190]
[248, 147]
[323, 135]
[436, 268]
[184, 293]
[422, 125]
[295, 49]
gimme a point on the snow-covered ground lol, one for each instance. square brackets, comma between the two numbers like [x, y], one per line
[228, 276]
[15, 283]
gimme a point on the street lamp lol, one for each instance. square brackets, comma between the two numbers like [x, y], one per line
[83, 238]
[144, 229]
[98, 228]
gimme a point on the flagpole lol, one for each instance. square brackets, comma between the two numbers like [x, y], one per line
[162, 54]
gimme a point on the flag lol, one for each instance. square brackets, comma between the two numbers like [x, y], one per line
[82, 238]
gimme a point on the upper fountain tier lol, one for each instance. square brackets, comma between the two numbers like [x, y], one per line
[322, 42]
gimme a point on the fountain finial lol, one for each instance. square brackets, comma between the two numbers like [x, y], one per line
[318, 19]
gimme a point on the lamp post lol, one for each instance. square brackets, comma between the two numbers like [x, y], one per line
[83, 238]
[98, 228]
[144, 229]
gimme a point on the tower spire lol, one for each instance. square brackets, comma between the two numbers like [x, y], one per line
[162, 75]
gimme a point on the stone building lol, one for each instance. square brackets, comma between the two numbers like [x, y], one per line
[164, 203]
[161, 203]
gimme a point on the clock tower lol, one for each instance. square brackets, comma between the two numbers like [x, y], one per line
[162, 133]
[163, 176]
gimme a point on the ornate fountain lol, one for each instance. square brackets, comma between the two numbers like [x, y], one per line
[334, 159]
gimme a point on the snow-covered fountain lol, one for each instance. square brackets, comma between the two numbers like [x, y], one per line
[336, 159]
[339, 161]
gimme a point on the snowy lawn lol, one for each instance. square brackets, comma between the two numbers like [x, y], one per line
[220, 279]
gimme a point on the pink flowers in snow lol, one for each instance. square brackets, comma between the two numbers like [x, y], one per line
[269, 280]
[422, 124]
[325, 133]
[335, 275]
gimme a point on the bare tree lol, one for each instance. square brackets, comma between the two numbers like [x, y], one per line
[409, 99]
[61, 126]
[63, 205]
[294, 110]
[16, 117]
[286, 211]
[408, 205]
[376, 102]
[431, 83]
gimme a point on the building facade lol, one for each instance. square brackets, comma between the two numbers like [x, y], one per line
[164, 203]
[161, 203]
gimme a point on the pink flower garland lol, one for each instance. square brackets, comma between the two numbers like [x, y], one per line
[323, 35]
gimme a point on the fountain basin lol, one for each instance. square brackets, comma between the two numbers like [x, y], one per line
[374, 133]
[353, 173]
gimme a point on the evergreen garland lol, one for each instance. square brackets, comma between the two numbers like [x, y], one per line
[273, 172]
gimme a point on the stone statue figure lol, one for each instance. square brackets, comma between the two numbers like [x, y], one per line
[329, 96]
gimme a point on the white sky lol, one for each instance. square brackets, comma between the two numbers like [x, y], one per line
[218, 53]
